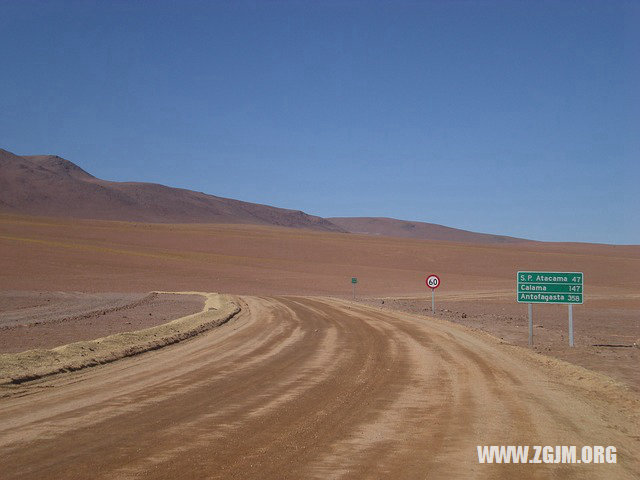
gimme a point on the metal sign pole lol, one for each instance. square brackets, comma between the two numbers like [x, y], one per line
[354, 290]
[530, 324]
[570, 325]
[433, 301]
[433, 281]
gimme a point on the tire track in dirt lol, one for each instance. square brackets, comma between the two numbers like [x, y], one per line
[507, 402]
[297, 387]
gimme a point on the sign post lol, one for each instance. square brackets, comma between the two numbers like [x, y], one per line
[433, 281]
[354, 280]
[530, 324]
[571, 325]
[550, 287]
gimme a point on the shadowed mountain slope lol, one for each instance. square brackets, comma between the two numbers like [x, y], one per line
[48, 185]
[390, 227]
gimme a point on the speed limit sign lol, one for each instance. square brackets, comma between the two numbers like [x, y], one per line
[433, 281]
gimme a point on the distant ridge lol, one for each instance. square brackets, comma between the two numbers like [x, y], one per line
[48, 185]
[391, 227]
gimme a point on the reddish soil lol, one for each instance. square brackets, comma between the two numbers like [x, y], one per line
[99, 256]
[31, 320]
[300, 387]
[304, 388]
[597, 323]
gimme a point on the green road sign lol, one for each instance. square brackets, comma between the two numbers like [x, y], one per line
[354, 280]
[550, 287]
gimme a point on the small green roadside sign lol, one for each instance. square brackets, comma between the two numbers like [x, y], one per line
[550, 287]
[354, 280]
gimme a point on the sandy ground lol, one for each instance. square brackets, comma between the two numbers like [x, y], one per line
[297, 387]
[95, 256]
[605, 329]
[31, 320]
[44, 254]
[36, 364]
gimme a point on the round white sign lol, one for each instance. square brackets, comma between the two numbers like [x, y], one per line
[433, 281]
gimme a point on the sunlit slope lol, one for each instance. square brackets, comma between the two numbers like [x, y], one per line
[46, 254]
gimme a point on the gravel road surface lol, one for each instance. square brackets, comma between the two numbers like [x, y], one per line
[300, 387]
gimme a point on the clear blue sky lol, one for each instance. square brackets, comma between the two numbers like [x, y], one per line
[517, 118]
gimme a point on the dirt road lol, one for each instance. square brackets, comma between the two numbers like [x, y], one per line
[297, 388]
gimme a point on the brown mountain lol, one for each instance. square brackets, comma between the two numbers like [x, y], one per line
[48, 185]
[390, 227]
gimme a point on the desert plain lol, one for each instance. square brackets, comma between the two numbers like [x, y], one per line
[307, 381]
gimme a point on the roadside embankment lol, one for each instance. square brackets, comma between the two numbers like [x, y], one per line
[33, 364]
